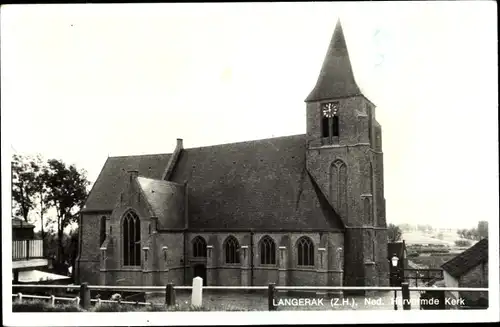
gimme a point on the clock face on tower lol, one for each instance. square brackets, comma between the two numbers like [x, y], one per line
[330, 109]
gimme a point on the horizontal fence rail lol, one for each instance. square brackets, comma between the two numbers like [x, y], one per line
[126, 288]
[52, 298]
[84, 299]
[449, 289]
[422, 275]
[339, 288]
[120, 302]
[73, 287]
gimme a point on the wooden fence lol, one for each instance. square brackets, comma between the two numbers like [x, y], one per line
[425, 275]
[27, 249]
[84, 299]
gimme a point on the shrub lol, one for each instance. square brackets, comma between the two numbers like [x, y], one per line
[463, 243]
[45, 306]
[413, 254]
[114, 307]
[188, 308]
[154, 307]
[437, 254]
[431, 250]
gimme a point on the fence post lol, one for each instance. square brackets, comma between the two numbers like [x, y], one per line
[20, 297]
[52, 300]
[27, 249]
[405, 291]
[271, 293]
[197, 292]
[170, 294]
[84, 296]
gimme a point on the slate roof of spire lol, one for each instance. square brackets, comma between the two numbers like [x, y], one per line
[336, 78]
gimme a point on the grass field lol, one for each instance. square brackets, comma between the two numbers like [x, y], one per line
[448, 238]
[434, 261]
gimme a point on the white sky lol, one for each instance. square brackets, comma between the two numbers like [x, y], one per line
[81, 82]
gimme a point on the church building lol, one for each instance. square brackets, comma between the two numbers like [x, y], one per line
[306, 209]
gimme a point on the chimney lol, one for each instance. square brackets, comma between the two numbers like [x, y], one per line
[133, 173]
[173, 160]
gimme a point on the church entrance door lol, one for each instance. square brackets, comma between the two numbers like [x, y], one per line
[200, 270]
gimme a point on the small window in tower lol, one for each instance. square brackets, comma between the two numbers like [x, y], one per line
[324, 127]
[335, 127]
[330, 119]
[103, 230]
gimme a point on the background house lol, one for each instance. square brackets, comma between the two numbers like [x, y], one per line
[29, 262]
[469, 269]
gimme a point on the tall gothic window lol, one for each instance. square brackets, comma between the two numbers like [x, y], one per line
[199, 247]
[330, 120]
[231, 248]
[267, 251]
[131, 232]
[102, 237]
[305, 252]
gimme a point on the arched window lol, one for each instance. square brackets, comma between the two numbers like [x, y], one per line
[231, 248]
[131, 235]
[199, 247]
[102, 237]
[305, 252]
[267, 251]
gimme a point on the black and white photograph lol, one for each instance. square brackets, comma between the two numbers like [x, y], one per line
[249, 163]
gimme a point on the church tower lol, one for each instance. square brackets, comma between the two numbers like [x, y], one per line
[344, 156]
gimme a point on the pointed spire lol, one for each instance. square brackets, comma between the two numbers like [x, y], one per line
[336, 78]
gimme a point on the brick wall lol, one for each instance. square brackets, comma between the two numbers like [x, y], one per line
[226, 274]
[450, 281]
[88, 259]
[349, 130]
[476, 277]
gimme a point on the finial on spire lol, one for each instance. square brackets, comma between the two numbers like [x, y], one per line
[336, 79]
